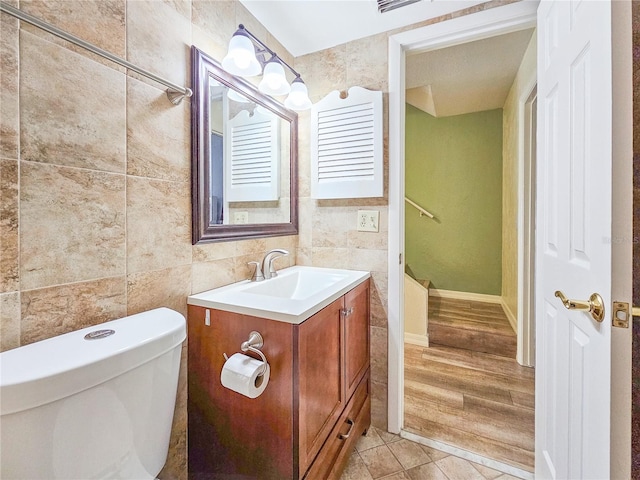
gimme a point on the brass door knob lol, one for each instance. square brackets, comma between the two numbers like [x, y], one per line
[595, 305]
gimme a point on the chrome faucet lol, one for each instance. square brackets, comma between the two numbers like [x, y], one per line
[268, 270]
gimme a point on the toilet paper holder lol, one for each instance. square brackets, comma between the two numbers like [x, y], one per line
[253, 344]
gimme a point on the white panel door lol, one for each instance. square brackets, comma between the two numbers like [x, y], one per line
[573, 351]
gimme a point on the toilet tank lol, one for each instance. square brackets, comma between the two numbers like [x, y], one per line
[87, 405]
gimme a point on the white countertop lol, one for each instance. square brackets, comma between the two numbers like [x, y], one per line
[293, 296]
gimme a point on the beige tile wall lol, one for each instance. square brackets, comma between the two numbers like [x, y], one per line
[95, 167]
[95, 173]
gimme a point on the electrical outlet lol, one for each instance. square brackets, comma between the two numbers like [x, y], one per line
[368, 220]
[240, 217]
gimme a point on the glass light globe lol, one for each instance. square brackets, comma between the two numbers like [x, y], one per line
[241, 57]
[298, 99]
[274, 81]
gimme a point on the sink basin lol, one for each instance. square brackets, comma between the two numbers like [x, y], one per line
[293, 296]
[297, 285]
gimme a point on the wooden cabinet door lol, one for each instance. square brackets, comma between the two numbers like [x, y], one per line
[356, 338]
[231, 435]
[320, 379]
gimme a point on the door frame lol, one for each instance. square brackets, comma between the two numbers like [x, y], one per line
[468, 28]
[526, 335]
[622, 242]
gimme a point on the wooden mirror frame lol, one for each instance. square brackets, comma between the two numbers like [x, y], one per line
[203, 69]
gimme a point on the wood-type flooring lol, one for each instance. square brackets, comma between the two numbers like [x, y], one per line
[477, 326]
[468, 391]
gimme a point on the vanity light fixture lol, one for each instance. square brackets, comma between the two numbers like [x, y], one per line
[298, 99]
[246, 58]
[274, 81]
[241, 57]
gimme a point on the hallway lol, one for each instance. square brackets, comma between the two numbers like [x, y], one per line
[466, 389]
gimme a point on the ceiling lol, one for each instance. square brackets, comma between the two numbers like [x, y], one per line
[465, 78]
[471, 77]
[306, 26]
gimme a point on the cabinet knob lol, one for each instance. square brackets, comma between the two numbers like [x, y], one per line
[347, 311]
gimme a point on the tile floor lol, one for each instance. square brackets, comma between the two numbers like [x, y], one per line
[382, 455]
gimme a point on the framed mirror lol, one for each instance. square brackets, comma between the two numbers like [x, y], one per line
[244, 147]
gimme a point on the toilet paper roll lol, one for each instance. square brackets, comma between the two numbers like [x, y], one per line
[240, 374]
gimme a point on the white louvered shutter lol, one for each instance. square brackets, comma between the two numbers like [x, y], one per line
[252, 167]
[346, 145]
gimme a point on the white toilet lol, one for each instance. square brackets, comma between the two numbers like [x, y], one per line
[96, 403]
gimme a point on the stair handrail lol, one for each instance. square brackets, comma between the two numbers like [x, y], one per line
[420, 209]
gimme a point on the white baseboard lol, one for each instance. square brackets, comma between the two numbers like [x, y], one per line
[513, 321]
[415, 339]
[477, 297]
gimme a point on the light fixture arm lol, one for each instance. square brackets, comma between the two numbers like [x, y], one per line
[264, 49]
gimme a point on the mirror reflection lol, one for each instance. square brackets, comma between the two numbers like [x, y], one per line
[249, 158]
[244, 158]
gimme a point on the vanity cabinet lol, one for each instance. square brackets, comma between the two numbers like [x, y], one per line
[315, 407]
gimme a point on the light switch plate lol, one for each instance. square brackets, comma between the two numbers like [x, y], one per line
[240, 218]
[368, 220]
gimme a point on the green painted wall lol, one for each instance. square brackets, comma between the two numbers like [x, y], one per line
[454, 170]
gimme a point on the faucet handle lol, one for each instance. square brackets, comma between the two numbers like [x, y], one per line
[257, 275]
